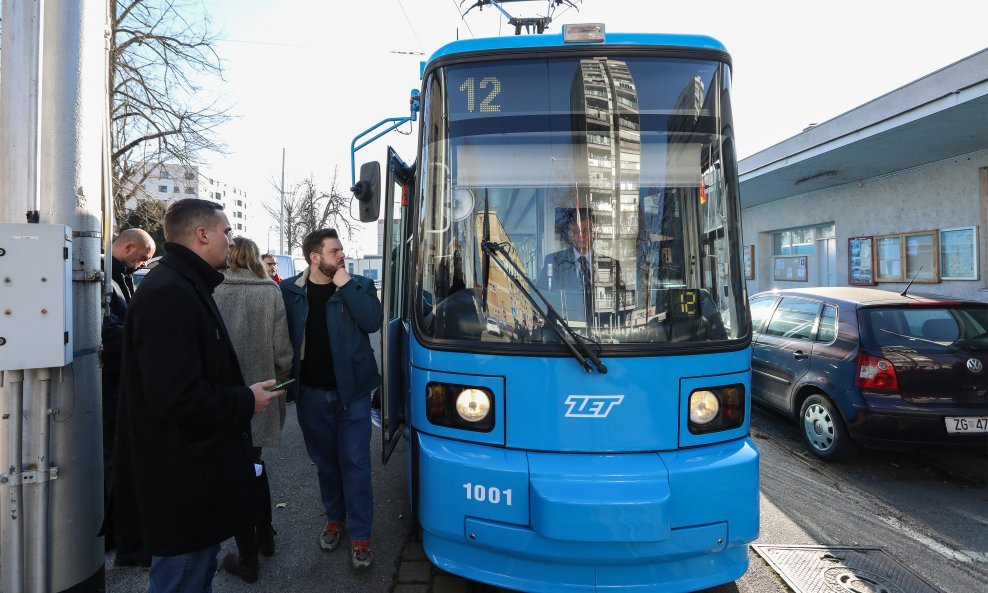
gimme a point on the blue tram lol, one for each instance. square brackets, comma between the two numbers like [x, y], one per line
[566, 340]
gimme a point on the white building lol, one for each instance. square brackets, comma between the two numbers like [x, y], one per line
[891, 191]
[169, 182]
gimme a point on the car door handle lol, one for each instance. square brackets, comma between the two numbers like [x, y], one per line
[800, 355]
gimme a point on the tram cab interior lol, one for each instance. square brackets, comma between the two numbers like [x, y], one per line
[641, 282]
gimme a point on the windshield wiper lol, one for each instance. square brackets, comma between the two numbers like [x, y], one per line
[916, 338]
[491, 249]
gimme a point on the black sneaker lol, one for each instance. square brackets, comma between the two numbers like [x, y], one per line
[361, 557]
[330, 538]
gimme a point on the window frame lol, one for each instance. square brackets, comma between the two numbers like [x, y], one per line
[773, 303]
[904, 275]
[819, 323]
[974, 252]
[935, 240]
[877, 255]
[860, 243]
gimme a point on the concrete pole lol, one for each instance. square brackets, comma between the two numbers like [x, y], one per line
[21, 68]
[20, 64]
[72, 153]
[62, 159]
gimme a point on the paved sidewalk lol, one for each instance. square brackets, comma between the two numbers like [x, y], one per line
[299, 565]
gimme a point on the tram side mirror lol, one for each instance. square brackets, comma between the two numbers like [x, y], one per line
[367, 192]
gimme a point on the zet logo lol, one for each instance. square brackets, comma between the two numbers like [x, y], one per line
[591, 406]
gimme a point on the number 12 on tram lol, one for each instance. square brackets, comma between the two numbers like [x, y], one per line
[566, 340]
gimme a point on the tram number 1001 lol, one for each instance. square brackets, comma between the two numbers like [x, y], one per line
[490, 494]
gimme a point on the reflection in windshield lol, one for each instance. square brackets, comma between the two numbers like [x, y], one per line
[604, 181]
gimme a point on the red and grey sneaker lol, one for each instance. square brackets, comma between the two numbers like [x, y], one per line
[330, 538]
[361, 557]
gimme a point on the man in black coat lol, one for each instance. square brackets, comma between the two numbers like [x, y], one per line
[183, 449]
[130, 250]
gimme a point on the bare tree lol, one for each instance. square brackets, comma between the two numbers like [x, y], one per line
[307, 209]
[159, 51]
[149, 215]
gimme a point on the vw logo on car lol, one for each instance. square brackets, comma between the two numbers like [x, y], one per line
[974, 365]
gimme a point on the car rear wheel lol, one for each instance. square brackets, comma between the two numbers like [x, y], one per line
[824, 431]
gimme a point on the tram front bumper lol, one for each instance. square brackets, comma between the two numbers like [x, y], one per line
[559, 521]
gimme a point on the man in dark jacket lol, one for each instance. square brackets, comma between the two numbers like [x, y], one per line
[572, 275]
[330, 315]
[183, 449]
[130, 250]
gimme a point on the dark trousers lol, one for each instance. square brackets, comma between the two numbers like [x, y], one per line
[264, 488]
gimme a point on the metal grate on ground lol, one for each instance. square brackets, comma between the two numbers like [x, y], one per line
[840, 569]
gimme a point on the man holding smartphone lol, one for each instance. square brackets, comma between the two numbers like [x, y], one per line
[182, 455]
[330, 316]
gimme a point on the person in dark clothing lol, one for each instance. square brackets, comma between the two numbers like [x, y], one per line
[330, 315]
[130, 250]
[571, 275]
[183, 451]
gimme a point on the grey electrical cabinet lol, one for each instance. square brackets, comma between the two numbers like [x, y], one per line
[35, 296]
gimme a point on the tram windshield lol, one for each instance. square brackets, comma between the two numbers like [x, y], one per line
[607, 187]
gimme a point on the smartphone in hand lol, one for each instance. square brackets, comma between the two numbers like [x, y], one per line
[280, 386]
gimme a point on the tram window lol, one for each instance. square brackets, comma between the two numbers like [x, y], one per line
[650, 186]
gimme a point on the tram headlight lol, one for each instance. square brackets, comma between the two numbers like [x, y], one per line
[704, 407]
[473, 405]
[459, 406]
[716, 408]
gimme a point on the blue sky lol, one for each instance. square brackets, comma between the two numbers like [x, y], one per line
[308, 75]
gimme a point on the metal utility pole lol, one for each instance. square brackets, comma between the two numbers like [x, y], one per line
[51, 139]
[281, 211]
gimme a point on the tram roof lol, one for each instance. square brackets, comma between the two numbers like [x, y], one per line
[547, 41]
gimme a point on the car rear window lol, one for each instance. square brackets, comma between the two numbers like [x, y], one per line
[925, 328]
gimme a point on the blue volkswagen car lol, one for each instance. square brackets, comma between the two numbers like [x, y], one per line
[863, 366]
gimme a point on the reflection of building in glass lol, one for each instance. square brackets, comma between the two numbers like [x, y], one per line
[607, 146]
[505, 303]
[667, 212]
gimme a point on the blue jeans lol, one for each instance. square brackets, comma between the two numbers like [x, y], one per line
[337, 438]
[185, 573]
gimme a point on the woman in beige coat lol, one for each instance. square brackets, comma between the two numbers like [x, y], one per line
[254, 314]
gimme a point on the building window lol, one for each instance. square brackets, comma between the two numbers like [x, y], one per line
[163, 189]
[888, 255]
[800, 241]
[162, 174]
[907, 256]
[240, 227]
[189, 190]
[959, 253]
[190, 176]
[175, 189]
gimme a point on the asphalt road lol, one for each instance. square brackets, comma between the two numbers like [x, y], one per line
[927, 510]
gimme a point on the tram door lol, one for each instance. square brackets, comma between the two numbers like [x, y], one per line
[396, 246]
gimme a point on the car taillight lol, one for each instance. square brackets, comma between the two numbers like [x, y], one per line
[876, 373]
